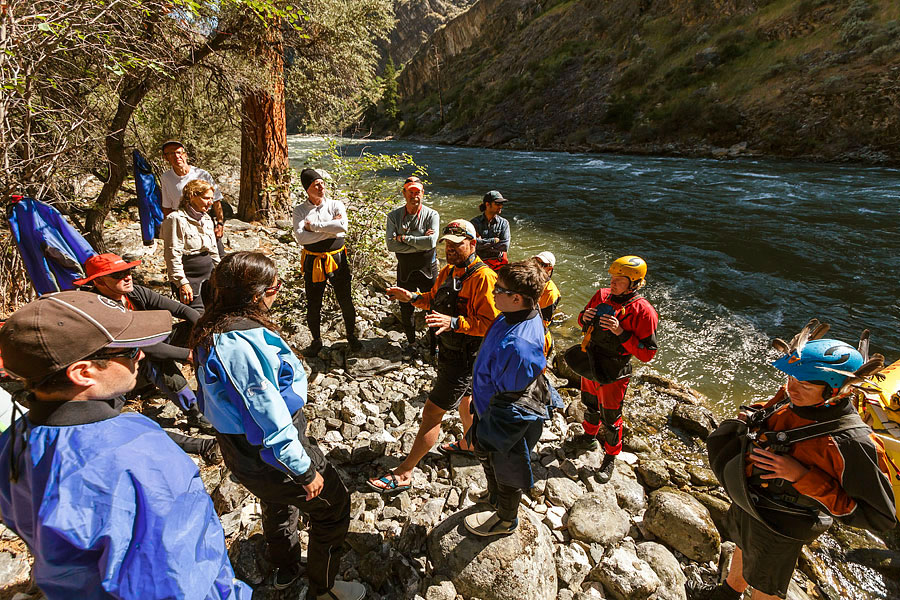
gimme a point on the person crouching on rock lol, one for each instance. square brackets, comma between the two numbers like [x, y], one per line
[510, 395]
[619, 323]
[253, 389]
[110, 276]
[462, 305]
[320, 226]
[794, 464]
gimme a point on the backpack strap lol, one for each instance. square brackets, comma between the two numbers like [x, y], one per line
[790, 437]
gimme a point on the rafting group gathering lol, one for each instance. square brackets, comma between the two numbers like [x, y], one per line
[110, 505]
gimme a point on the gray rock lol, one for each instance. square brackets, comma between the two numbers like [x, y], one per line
[441, 591]
[249, 559]
[694, 419]
[572, 565]
[466, 472]
[404, 411]
[596, 517]
[666, 567]
[701, 476]
[13, 567]
[629, 494]
[653, 473]
[241, 244]
[519, 565]
[625, 576]
[562, 491]
[228, 495]
[682, 523]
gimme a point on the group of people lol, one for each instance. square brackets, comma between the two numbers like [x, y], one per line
[81, 482]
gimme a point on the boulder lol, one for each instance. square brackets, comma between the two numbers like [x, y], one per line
[443, 590]
[466, 472]
[625, 576]
[562, 491]
[682, 523]
[519, 565]
[694, 419]
[629, 494]
[653, 473]
[666, 567]
[572, 565]
[597, 518]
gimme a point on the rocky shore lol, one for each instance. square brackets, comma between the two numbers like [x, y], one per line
[641, 536]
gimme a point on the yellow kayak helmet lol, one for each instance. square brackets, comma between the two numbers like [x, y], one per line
[632, 267]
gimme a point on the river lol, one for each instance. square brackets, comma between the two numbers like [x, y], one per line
[739, 251]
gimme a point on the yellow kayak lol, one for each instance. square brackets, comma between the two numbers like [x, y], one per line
[880, 409]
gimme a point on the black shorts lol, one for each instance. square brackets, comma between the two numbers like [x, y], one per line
[454, 375]
[769, 559]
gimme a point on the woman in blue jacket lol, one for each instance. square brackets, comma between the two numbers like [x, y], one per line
[252, 390]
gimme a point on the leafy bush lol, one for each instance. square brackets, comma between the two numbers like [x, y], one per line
[621, 111]
[369, 185]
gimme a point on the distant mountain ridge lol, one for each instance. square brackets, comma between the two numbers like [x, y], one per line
[808, 78]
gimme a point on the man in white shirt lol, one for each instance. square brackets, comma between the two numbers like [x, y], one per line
[320, 226]
[172, 183]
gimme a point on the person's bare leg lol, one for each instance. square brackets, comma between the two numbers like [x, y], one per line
[426, 437]
[735, 577]
[465, 415]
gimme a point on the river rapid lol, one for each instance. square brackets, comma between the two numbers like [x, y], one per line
[738, 251]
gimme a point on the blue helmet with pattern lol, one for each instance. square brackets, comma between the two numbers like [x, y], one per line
[816, 359]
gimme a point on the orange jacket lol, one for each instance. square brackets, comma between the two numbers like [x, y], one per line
[476, 299]
[848, 472]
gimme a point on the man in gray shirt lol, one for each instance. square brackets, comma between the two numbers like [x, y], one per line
[411, 233]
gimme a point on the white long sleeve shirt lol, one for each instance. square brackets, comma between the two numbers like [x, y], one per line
[326, 221]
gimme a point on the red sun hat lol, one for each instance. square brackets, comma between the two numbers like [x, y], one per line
[104, 264]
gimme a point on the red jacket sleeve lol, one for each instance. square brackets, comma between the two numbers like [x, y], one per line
[642, 341]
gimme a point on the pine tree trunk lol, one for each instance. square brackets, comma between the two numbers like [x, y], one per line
[265, 178]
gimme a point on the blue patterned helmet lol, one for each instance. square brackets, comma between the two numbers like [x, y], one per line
[816, 357]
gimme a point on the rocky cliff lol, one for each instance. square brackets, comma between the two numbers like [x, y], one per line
[417, 20]
[809, 78]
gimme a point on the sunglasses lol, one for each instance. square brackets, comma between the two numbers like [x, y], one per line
[502, 290]
[120, 275]
[274, 289]
[129, 353]
[457, 230]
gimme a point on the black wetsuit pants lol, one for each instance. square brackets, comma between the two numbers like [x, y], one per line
[416, 282]
[315, 293]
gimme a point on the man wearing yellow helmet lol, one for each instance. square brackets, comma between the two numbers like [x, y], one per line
[619, 323]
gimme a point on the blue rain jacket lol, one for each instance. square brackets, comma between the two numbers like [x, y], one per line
[149, 198]
[114, 509]
[51, 249]
[251, 383]
[511, 358]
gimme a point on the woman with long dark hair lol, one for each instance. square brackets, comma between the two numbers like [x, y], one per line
[252, 389]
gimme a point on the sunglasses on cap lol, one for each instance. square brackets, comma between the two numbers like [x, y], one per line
[129, 353]
[120, 275]
[457, 230]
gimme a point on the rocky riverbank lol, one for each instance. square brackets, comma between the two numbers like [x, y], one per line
[642, 535]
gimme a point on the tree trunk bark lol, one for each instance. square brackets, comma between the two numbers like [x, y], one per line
[265, 176]
[116, 160]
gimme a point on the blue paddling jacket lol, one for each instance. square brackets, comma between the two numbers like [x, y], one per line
[251, 385]
[149, 199]
[51, 249]
[111, 508]
[511, 396]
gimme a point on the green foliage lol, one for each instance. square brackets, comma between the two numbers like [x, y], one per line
[330, 65]
[621, 111]
[369, 185]
[390, 97]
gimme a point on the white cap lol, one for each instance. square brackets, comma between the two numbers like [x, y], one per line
[546, 257]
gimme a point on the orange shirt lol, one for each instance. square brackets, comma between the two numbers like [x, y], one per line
[476, 299]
